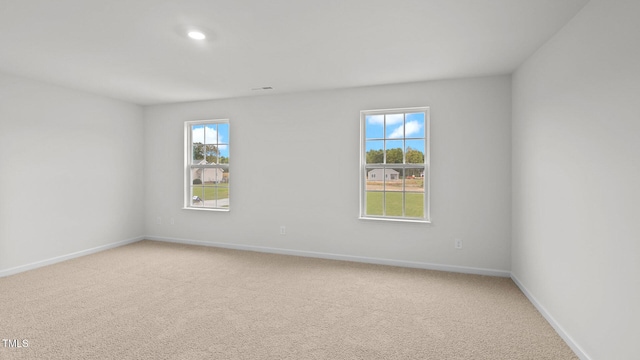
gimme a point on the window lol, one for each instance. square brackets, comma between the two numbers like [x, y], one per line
[207, 165]
[394, 171]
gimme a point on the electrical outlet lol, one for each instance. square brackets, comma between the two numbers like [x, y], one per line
[283, 230]
[173, 221]
[457, 243]
[158, 220]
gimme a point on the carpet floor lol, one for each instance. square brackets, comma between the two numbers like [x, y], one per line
[153, 300]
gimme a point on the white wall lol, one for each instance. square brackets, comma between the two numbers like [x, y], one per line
[71, 172]
[294, 162]
[576, 177]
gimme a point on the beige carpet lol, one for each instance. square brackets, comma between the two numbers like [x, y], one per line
[153, 300]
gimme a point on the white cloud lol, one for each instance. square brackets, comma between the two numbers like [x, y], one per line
[375, 119]
[412, 128]
[392, 119]
[198, 135]
[397, 133]
[395, 119]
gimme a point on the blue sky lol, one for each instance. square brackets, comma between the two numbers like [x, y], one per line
[214, 134]
[394, 127]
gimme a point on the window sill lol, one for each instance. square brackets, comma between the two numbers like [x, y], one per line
[206, 209]
[395, 219]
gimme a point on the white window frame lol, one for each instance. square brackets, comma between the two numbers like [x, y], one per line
[188, 166]
[364, 167]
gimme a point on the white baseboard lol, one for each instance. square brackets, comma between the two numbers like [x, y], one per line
[552, 321]
[320, 255]
[57, 259]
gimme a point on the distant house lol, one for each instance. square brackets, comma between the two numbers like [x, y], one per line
[379, 174]
[211, 175]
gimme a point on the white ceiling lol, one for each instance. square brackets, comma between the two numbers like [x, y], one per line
[136, 50]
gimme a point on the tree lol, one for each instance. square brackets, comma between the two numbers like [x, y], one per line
[394, 156]
[375, 156]
[414, 156]
[212, 154]
[198, 151]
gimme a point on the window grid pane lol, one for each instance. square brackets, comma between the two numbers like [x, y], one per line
[207, 173]
[397, 141]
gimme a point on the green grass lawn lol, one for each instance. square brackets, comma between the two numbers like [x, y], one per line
[217, 192]
[414, 206]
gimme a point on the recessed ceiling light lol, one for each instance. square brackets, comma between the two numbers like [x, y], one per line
[195, 32]
[196, 35]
